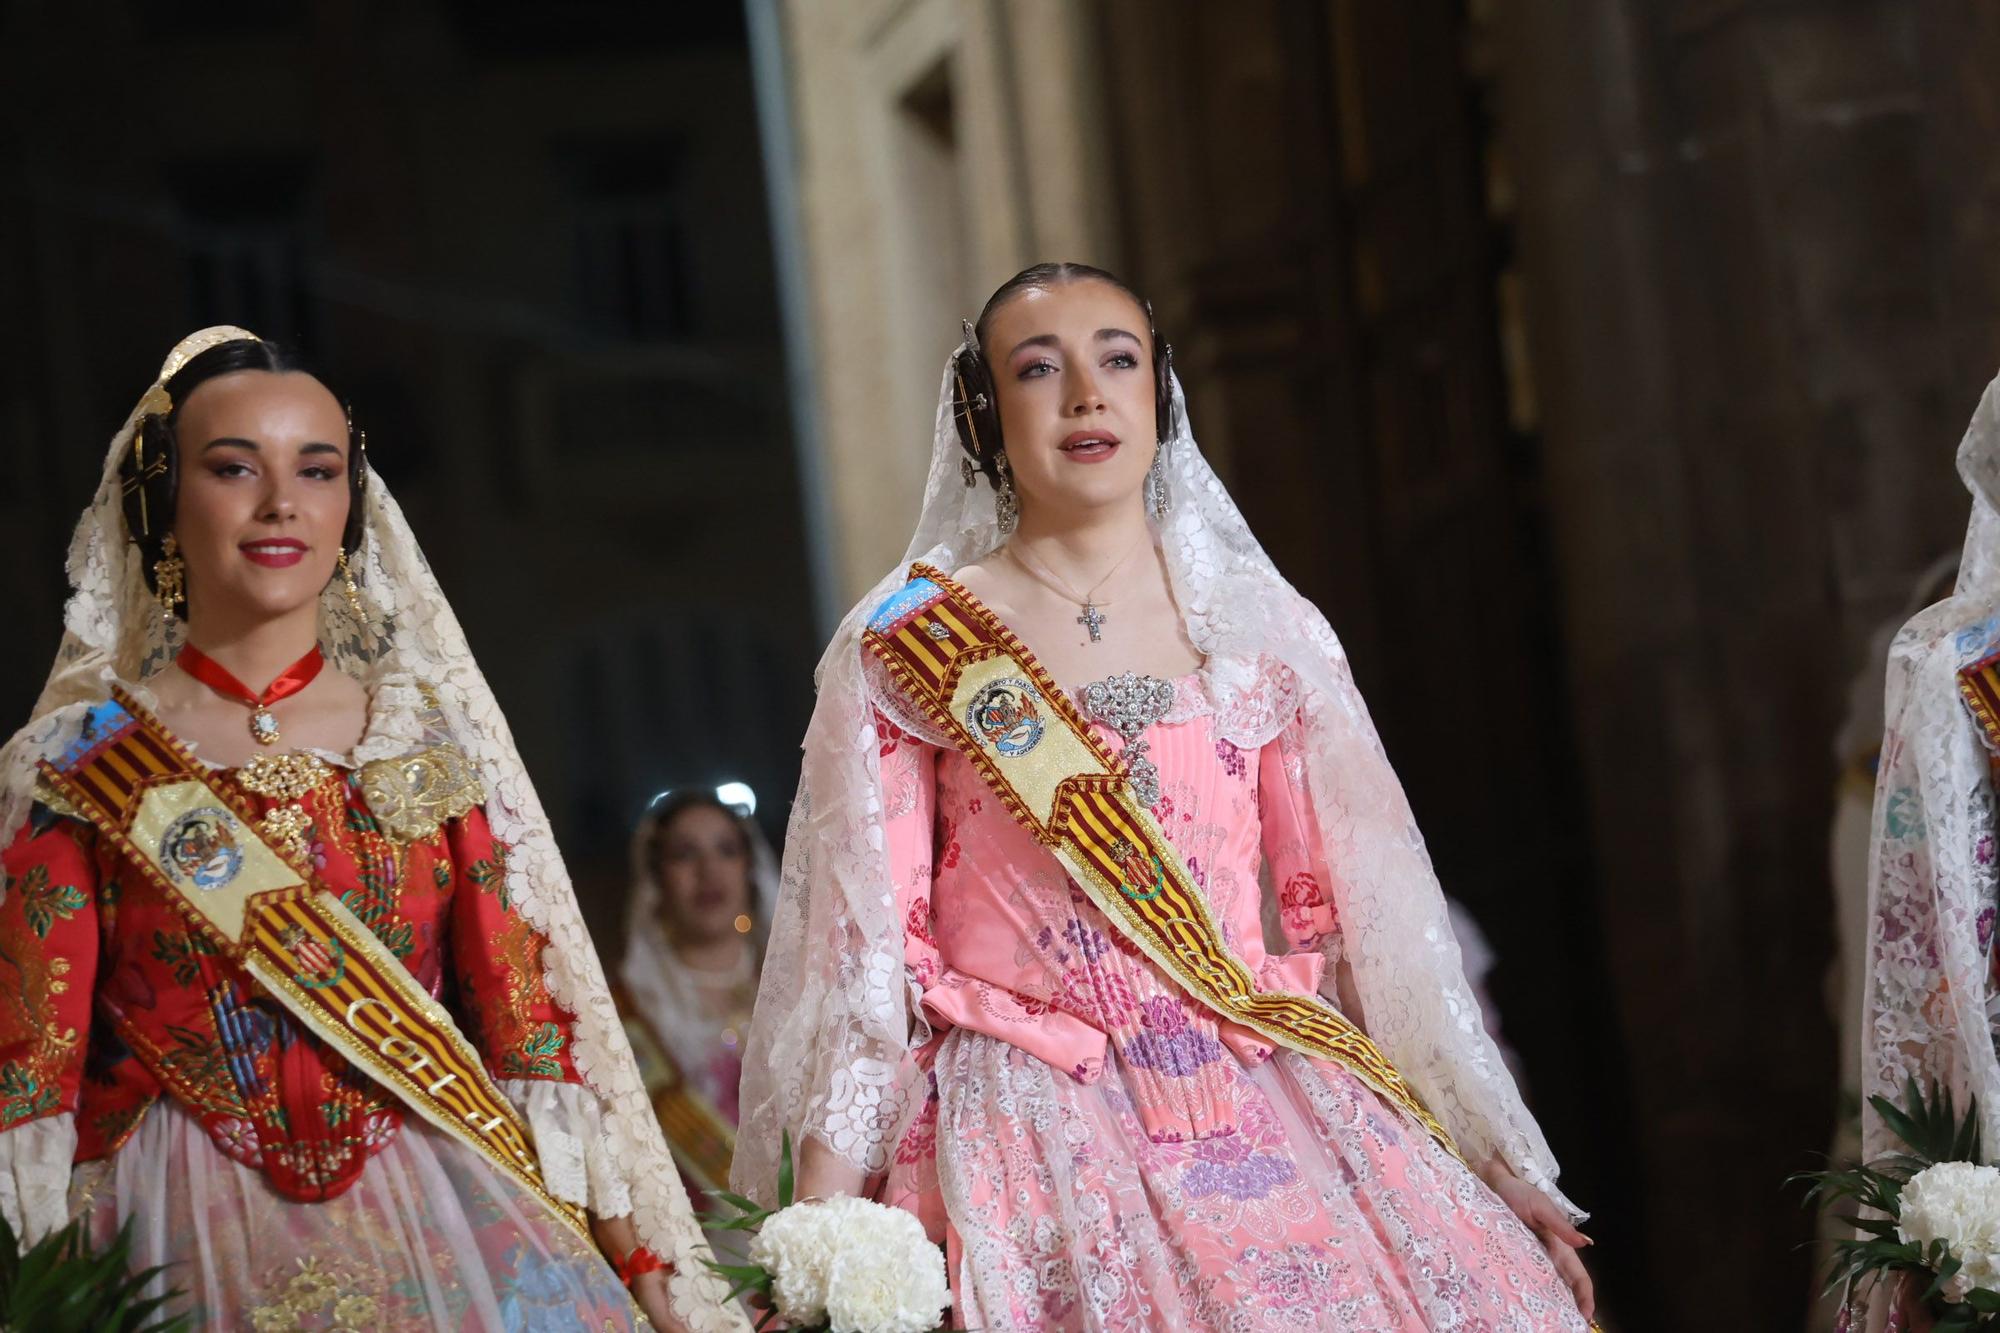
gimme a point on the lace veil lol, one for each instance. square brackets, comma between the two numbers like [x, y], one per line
[827, 1053]
[1928, 1005]
[114, 633]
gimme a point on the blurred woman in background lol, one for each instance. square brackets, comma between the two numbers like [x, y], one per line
[703, 880]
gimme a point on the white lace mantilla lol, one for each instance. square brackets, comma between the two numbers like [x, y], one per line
[836, 1015]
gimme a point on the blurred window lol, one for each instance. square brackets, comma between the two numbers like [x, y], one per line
[630, 207]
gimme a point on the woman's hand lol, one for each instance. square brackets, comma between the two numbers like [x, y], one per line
[617, 1237]
[1551, 1226]
[650, 1291]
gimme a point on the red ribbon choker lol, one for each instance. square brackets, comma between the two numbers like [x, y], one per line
[263, 726]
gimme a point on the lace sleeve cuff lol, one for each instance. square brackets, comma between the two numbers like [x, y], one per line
[1531, 1171]
[568, 1125]
[34, 1175]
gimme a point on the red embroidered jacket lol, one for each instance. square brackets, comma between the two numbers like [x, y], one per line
[108, 1000]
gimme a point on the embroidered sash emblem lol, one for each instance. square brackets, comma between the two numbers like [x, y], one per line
[320, 964]
[200, 847]
[1144, 878]
[1004, 713]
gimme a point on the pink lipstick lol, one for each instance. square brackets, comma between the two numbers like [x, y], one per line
[1089, 446]
[275, 552]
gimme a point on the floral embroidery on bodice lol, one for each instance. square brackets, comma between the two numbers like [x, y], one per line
[108, 999]
[1002, 942]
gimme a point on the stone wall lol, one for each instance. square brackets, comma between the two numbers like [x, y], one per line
[1758, 241]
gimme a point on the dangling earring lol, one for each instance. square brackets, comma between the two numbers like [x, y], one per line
[170, 578]
[1158, 498]
[1006, 505]
[353, 593]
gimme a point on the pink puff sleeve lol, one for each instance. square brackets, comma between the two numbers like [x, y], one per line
[1293, 848]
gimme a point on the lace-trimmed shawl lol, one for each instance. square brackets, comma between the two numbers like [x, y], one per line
[828, 1052]
[114, 632]
[1928, 1007]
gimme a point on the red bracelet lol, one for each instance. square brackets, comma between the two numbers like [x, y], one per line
[640, 1260]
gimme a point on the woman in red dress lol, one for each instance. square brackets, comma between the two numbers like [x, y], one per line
[292, 978]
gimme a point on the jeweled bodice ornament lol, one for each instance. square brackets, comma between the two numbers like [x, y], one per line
[1129, 703]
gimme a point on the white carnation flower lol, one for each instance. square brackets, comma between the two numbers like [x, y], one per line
[861, 1266]
[1959, 1204]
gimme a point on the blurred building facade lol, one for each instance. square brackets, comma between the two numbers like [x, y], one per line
[1596, 367]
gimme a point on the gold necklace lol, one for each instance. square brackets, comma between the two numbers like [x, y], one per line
[1092, 619]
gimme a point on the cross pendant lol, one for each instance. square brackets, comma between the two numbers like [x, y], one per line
[1093, 620]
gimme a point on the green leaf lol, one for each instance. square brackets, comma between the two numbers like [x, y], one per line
[1901, 1125]
[751, 1273]
[736, 1201]
[749, 1223]
[63, 1286]
[785, 1169]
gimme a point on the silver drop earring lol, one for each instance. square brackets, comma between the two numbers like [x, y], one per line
[1158, 498]
[1006, 505]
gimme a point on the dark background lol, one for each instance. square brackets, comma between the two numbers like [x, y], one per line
[533, 254]
[1596, 364]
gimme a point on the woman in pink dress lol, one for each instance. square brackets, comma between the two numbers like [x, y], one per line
[961, 1014]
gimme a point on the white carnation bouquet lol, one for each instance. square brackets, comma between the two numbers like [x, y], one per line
[839, 1265]
[1928, 1218]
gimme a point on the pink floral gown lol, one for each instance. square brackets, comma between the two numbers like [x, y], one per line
[1098, 1152]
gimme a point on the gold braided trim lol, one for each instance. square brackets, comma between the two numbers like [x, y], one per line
[961, 667]
[50, 795]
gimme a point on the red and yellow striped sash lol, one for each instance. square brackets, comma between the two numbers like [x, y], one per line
[1979, 684]
[961, 667]
[197, 839]
[703, 1143]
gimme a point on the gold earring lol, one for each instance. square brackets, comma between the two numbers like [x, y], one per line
[170, 577]
[353, 593]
